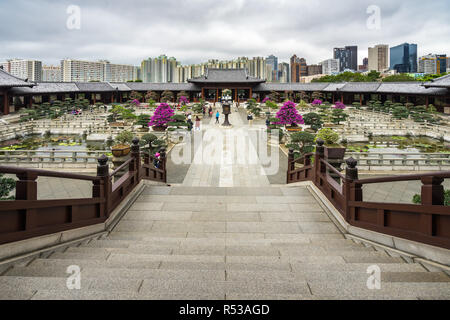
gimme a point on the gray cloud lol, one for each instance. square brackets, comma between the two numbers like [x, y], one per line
[196, 30]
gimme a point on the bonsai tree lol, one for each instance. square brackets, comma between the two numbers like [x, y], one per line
[146, 141]
[178, 121]
[288, 115]
[151, 95]
[124, 138]
[328, 135]
[134, 95]
[302, 142]
[162, 116]
[316, 95]
[6, 186]
[400, 112]
[182, 96]
[302, 95]
[252, 106]
[338, 114]
[143, 120]
[167, 96]
[274, 96]
[314, 120]
[302, 105]
[271, 105]
[356, 105]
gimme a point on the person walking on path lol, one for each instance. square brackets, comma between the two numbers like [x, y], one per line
[250, 119]
[217, 117]
[210, 111]
[197, 123]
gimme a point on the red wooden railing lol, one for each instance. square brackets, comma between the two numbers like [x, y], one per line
[428, 222]
[27, 217]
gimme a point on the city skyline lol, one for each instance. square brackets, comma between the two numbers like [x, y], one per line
[197, 31]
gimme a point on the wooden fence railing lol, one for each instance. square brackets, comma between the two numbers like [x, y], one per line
[27, 217]
[428, 222]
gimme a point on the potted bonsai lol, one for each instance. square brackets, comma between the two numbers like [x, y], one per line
[162, 117]
[143, 120]
[122, 147]
[289, 117]
[333, 150]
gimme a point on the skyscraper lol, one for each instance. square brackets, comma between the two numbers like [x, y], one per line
[272, 68]
[433, 64]
[299, 68]
[348, 57]
[330, 66]
[379, 58]
[404, 58]
[103, 71]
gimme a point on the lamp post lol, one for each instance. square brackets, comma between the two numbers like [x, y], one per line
[226, 110]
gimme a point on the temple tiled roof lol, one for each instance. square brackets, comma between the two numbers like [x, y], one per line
[442, 82]
[409, 88]
[47, 87]
[122, 87]
[226, 76]
[8, 80]
[360, 87]
[314, 86]
[333, 87]
[94, 87]
[141, 86]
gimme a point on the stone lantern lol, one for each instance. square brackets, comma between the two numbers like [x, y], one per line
[226, 110]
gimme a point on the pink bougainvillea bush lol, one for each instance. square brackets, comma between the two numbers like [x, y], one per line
[288, 115]
[266, 99]
[339, 105]
[162, 116]
[136, 102]
[317, 102]
[184, 100]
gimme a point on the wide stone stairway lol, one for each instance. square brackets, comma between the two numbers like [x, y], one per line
[185, 242]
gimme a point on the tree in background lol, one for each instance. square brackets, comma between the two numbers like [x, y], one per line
[151, 95]
[167, 96]
[314, 120]
[303, 142]
[162, 116]
[6, 186]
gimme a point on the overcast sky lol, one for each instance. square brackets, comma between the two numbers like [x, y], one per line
[194, 31]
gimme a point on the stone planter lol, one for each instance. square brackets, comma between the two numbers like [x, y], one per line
[159, 128]
[120, 150]
[334, 153]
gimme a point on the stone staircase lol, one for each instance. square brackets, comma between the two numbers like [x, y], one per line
[223, 243]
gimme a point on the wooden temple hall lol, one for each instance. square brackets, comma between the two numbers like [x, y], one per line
[16, 93]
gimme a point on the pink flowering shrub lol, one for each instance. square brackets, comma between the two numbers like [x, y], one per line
[162, 116]
[288, 115]
[184, 100]
[136, 102]
[266, 99]
[317, 102]
[339, 105]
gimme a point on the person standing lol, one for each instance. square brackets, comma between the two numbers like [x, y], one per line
[197, 123]
[217, 117]
[250, 119]
[210, 111]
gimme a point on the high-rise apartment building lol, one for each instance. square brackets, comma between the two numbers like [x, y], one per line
[284, 74]
[379, 58]
[257, 67]
[348, 57]
[272, 68]
[24, 69]
[299, 68]
[102, 71]
[159, 70]
[404, 58]
[51, 73]
[330, 66]
[433, 64]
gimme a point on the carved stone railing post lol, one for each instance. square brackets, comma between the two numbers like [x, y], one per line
[135, 165]
[26, 189]
[102, 187]
[352, 190]
[432, 193]
[318, 166]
